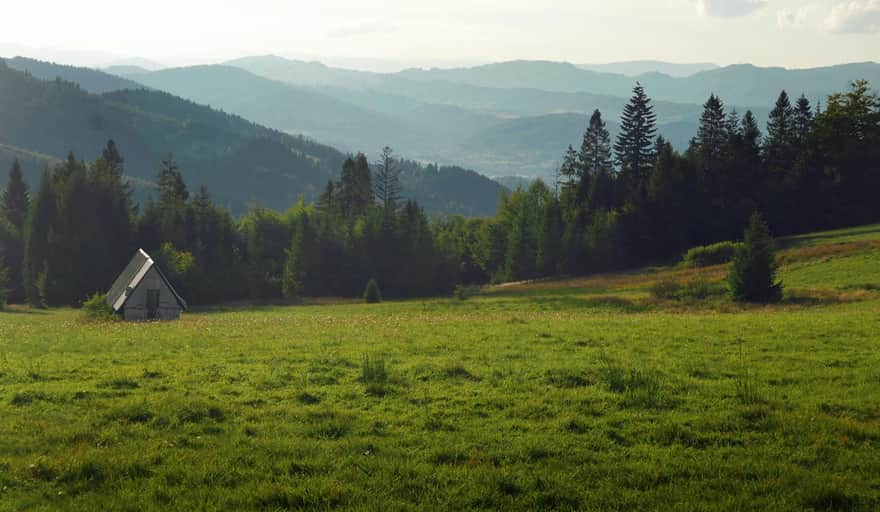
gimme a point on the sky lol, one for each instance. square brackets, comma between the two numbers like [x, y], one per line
[389, 33]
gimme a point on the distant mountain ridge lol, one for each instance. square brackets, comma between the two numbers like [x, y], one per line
[641, 67]
[459, 116]
[89, 79]
[241, 162]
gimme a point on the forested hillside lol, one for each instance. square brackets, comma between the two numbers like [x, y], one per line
[242, 163]
[90, 80]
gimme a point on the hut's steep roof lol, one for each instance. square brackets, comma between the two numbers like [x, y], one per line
[131, 277]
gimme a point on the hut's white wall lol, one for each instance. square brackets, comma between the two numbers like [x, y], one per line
[136, 306]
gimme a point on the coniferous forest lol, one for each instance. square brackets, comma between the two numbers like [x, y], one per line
[616, 204]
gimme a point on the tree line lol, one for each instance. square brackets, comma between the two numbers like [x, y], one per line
[614, 205]
[635, 200]
[72, 236]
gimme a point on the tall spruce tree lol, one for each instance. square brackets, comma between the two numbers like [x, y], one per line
[569, 170]
[75, 241]
[550, 245]
[39, 229]
[386, 182]
[296, 265]
[713, 133]
[753, 272]
[780, 134]
[15, 200]
[595, 153]
[634, 148]
[803, 119]
[114, 213]
[14, 206]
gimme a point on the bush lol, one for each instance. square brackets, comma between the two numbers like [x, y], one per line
[697, 288]
[96, 308]
[707, 255]
[753, 274]
[464, 292]
[666, 289]
[372, 294]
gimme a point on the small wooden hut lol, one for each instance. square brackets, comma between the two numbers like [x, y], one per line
[142, 292]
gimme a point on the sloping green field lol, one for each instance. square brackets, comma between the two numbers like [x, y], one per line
[586, 394]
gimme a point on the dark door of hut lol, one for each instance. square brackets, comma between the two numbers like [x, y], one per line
[152, 304]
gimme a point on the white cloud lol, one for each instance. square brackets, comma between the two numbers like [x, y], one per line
[728, 8]
[797, 18]
[856, 17]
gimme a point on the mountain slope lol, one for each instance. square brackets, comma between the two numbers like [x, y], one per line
[304, 73]
[282, 106]
[90, 80]
[739, 85]
[241, 162]
[238, 160]
[641, 67]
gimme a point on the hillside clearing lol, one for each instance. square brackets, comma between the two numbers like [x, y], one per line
[585, 394]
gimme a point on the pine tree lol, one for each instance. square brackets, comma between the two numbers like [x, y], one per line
[803, 119]
[293, 280]
[172, 188]
[363, 189]
[634, 148]
[595, 153]
[751, 132]
[569, 169]
[753, 272]
[602, 193]
[386, 183]
[114, 216]
[713, 134]
[15, 201]
[14, 206]
[550, 245]
[780, 134]
[74, 242]
[38, 231]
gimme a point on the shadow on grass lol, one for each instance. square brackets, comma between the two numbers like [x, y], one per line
[574, 302]
[22, 310]
[827, 236]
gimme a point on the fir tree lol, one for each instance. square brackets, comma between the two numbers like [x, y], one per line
[113, 217]
[595, 153]
[293, 280]
[172, 188]
[14, 206]
[550, 246]
[634, 148]
[753, 272]
[780, 133]
[569, 169]
[713, 134]
[803, 119]
[386, 182]
[15, 200]
[751, 132]
[38, 230]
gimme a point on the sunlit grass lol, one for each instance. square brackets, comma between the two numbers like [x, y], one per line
[580, 394]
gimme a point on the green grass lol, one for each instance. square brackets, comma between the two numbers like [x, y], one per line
[576, 395]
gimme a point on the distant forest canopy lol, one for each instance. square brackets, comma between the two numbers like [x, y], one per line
[245, 164]
[617, 204]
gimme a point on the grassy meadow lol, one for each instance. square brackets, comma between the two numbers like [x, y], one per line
[581, 394]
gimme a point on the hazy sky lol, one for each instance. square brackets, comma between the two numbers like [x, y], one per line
[764, 32]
